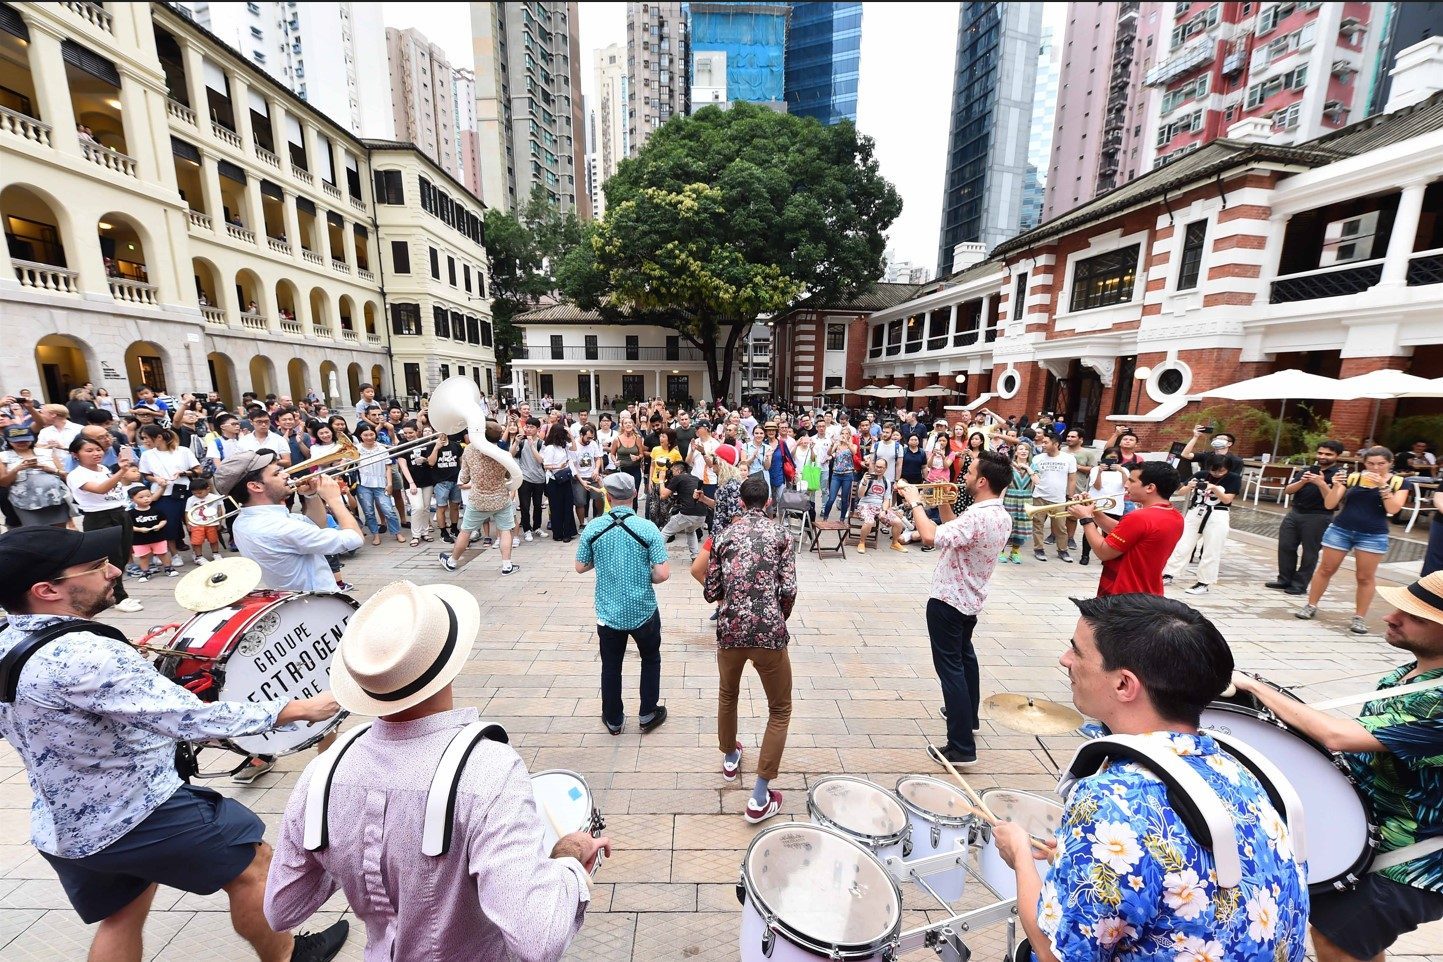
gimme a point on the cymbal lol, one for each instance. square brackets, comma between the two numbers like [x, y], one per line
[1032, 716]
[217, 584]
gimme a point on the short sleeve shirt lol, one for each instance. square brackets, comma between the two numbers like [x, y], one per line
[1146, 538]
[625, 596]
[1052, 471]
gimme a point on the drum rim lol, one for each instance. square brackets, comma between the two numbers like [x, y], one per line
[954, 821]
[880, 841]
[591, 813]
[1370, 846]
[845, 950]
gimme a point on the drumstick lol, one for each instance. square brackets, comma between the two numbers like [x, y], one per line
[980, 807]
[551, 820]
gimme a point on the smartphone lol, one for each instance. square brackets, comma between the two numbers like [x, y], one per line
[1207, 429]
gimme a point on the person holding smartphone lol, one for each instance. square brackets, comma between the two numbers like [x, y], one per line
[1307, 518]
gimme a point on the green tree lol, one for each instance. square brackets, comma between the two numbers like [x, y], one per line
[731, 214]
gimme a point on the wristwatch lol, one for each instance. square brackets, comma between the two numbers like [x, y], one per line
[1086, 521]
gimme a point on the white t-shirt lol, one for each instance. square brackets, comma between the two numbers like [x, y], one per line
[53, 437]
[169, 463]
[891, 452]
[696, 458]
[585, 460]
[89, 500]
[1052, 474]
[1113, 486]
[271, 442]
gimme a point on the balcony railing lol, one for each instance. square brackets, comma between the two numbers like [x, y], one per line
[572, 353]
[199, 220]
[331, 190]
[358, 203]
[290, 326]
[256, 322]
[242, 234]
[364, 274]
[322, 330]
[373, 339]
[349, 335]
[279, 246]
[109, 159]
[46, 277]
[225, 134]
[1426, 268]
[213, 315]
[313, 257]
[302, 175]
[93, 13]
[340, 267]
[1327, 282]
[1189, 57]
[180, 112]
[127, 291]
[268, 157]
[26, 128]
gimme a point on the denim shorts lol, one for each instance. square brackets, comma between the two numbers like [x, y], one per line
[448, 492]
[1346, 539]
[196, 841]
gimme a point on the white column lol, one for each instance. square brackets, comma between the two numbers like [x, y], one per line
[1405, 231]
[277, 113]
[658, 385]
[348, 237]
[195, 85]
[323, 226]
[139, 122]
[293, 224]
[52, 88]
[255, 209]
[240, 108]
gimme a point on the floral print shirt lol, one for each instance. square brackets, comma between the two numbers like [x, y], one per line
[751, 569]
[1130, 882]
[96, 727]
[728, 506]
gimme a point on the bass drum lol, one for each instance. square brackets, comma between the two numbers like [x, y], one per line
[269, 644]
[1341, 837]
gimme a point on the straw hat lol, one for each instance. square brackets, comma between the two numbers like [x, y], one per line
[404, 644]
[1423, 598]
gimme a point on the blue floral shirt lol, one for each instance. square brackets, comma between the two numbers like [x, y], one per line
[96, 727]
[1130, 882]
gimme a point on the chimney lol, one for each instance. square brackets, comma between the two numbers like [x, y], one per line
[1252, 130]
[1417, 74]
[967, 253]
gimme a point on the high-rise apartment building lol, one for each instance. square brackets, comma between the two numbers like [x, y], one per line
[824, 60]
[1039, 141]
[656, 70]
[1279, 73]
[468, 142]
[1400, 25]
[993, 85]
[528, 103]
[423, 105]
[331, 55]
[738, 52]
[610, 139]
[1099, 128]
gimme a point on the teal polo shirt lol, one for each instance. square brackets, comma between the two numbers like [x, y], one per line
[625, 596]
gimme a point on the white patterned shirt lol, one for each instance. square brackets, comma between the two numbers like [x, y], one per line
[96, 727]
[969, 546]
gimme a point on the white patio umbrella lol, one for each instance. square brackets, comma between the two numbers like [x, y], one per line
[936, 390]
[1388, 383]
[1433, 388]
[1282, 386]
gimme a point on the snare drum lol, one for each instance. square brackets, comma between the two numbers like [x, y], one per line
[1039, 815]
[810, 892]
[863, 811]
[563, 800]
[269, 644]
[940, 818]
[1341, 838]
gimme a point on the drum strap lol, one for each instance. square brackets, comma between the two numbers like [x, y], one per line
[14, 660]
[1203, 814]
[1407, 853]
[446, 783]
[1280, 791]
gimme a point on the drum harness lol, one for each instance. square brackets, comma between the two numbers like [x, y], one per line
[14, 661]
[440, 798]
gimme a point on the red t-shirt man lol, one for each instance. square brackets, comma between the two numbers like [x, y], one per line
[1135, 549]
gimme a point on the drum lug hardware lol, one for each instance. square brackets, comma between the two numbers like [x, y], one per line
[741, 894]
[769, 940]
[936, 834]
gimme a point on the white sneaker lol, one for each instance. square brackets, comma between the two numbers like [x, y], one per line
[202, 561]
[129, 604]
[527, 537]
[1197, 589]
[177, 561]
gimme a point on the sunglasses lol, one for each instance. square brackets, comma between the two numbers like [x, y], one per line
[90, 570]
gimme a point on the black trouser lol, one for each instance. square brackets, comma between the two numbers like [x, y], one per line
[1433, 559]
[114, 518]
[613, 652]
[1300, 530]
[956, 663]
[531, 494]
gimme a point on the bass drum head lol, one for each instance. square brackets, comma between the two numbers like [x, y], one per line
[822, 888]
[1335, 819]
[567, 799]
[285, 652]
[857, 807]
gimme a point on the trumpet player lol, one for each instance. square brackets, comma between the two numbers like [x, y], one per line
[1211, 492]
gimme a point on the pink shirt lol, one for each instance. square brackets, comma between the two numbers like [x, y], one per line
[970, 544]
[494, 897]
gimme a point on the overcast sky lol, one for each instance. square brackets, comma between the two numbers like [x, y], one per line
[908, 51]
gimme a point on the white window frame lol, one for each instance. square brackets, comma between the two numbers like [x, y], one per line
[1103, 244]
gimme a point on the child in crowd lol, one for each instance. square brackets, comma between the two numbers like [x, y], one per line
[148, 527]
[201, 504]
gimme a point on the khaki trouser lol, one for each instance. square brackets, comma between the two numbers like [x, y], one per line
[774, 668]
[1059, 527]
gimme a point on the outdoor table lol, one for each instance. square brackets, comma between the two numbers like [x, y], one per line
[839, 528]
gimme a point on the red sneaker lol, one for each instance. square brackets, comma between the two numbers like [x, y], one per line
[729, 772]
[755, 815]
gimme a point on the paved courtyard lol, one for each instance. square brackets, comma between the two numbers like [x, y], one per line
[865, 704]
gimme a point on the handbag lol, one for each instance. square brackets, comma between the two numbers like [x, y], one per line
[789, 467]
[812, 474]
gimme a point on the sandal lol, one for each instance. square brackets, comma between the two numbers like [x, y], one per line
[375, 539]
[415, 542]
[427, 537]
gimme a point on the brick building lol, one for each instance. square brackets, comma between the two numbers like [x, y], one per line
[1230, 262]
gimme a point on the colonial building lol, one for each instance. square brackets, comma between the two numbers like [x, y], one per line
[435, 271]
[1233, 261]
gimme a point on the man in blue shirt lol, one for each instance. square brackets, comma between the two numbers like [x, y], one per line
[629, 555]
[1127, 878]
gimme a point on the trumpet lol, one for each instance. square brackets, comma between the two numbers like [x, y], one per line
[937, 493]
[1053, 510]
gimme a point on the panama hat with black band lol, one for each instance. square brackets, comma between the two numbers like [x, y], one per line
[1422, 599]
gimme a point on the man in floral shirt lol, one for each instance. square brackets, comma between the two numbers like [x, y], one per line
[1127, 879]
[752, 572]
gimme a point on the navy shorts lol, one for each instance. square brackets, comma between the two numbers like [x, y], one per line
[196, 841]
[1366, 920]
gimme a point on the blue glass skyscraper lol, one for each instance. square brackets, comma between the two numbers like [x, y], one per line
[824, 56]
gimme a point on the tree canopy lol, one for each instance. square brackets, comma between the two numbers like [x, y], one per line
[727, 215]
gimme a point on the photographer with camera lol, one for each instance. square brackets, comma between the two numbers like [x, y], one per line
[1306, 520]
[1222, 444]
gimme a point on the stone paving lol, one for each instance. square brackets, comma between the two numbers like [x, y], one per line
[865, 703]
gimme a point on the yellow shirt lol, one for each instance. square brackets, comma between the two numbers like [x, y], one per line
[661, 459]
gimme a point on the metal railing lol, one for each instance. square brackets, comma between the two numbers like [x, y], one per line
[1426, 268]
[25, 127]
[46, 277]
[1327, 282]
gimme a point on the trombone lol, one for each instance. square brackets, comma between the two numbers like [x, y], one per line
[1054, 510]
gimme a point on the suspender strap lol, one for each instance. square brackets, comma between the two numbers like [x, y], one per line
[1203, 814]
[618, 521]
[1280, 791]
[318, 793]
[13, 663]
[446, 783]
